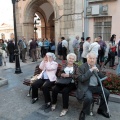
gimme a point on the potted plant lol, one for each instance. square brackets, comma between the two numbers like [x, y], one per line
[112, 83]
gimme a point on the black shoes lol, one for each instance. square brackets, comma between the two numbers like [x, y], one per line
[82, 116]
[34, 100]
[103, 113]
[46, 106]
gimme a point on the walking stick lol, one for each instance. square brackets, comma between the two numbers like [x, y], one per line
[95, 73]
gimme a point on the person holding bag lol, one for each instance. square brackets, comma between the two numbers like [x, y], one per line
[111, 53]
[68, 71]
[45, 79]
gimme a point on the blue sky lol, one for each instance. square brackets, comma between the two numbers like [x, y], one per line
[6, 10]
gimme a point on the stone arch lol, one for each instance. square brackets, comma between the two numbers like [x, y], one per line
[32, 7]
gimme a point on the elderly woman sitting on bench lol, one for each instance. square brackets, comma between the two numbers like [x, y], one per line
[46, 79]
[69, 71]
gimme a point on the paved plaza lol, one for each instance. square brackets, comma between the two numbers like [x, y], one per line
[15, 105]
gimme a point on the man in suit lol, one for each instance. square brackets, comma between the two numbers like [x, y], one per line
[11, 48]
[76, 46]
[88, 85]
[23, 48]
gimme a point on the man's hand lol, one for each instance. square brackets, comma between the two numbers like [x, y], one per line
[94, 69]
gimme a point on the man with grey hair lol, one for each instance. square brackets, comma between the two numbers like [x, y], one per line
[88, 84]
[76, 45]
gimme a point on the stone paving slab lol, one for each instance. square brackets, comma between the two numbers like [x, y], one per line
[114, 98]
[3, 81]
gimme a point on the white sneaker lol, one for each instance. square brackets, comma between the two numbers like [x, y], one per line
[63, 112]
[53, 107]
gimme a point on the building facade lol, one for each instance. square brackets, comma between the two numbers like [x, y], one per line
[58, 18]
[103, 18]
[68, 18]
[6, 31]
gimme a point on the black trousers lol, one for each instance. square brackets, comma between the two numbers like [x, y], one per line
[30, 55]
[64, 52]
[23, 54]
[89, 98]
[100, 58]
[11, 57]
[65, 89]
[45, 85]
[110, 59]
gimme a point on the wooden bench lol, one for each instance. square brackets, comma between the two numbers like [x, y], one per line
[96, 98]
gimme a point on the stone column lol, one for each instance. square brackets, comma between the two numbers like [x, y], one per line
[78, 18]
[43, 33]
[28, 30]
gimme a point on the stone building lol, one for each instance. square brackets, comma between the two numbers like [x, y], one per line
[6, 31]
[58, 18]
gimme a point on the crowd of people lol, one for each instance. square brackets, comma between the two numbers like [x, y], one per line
[36, 49]
[100, 48]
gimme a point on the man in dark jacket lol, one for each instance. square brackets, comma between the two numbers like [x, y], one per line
[88, 84]
[33, 46]
[11, 48]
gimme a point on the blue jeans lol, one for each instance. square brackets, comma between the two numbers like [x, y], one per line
[0, 60]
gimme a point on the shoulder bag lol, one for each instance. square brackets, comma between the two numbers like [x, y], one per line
[63, 80]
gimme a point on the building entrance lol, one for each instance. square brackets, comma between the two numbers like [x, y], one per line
[45, 12]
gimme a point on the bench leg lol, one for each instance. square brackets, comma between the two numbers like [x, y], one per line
[98, 100]
[28, 95]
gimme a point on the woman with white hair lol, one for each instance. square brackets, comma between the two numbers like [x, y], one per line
[46, 79]
[66, 72]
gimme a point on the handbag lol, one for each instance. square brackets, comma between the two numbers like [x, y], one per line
[63, 80]
[34, 78]
[112, 54]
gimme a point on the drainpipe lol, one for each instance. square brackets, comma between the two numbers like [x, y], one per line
[86, 21]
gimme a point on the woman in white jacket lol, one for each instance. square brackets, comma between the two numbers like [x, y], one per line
[3, 57]
[94, 47]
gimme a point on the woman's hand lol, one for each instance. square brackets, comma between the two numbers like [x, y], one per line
[64, 75]
[45, 59]
[49, 58]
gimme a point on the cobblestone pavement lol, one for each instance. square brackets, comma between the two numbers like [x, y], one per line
[15, 105]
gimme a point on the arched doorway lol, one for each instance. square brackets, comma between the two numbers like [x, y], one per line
[45, 11]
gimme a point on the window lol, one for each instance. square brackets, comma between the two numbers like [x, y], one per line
[102, 27]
